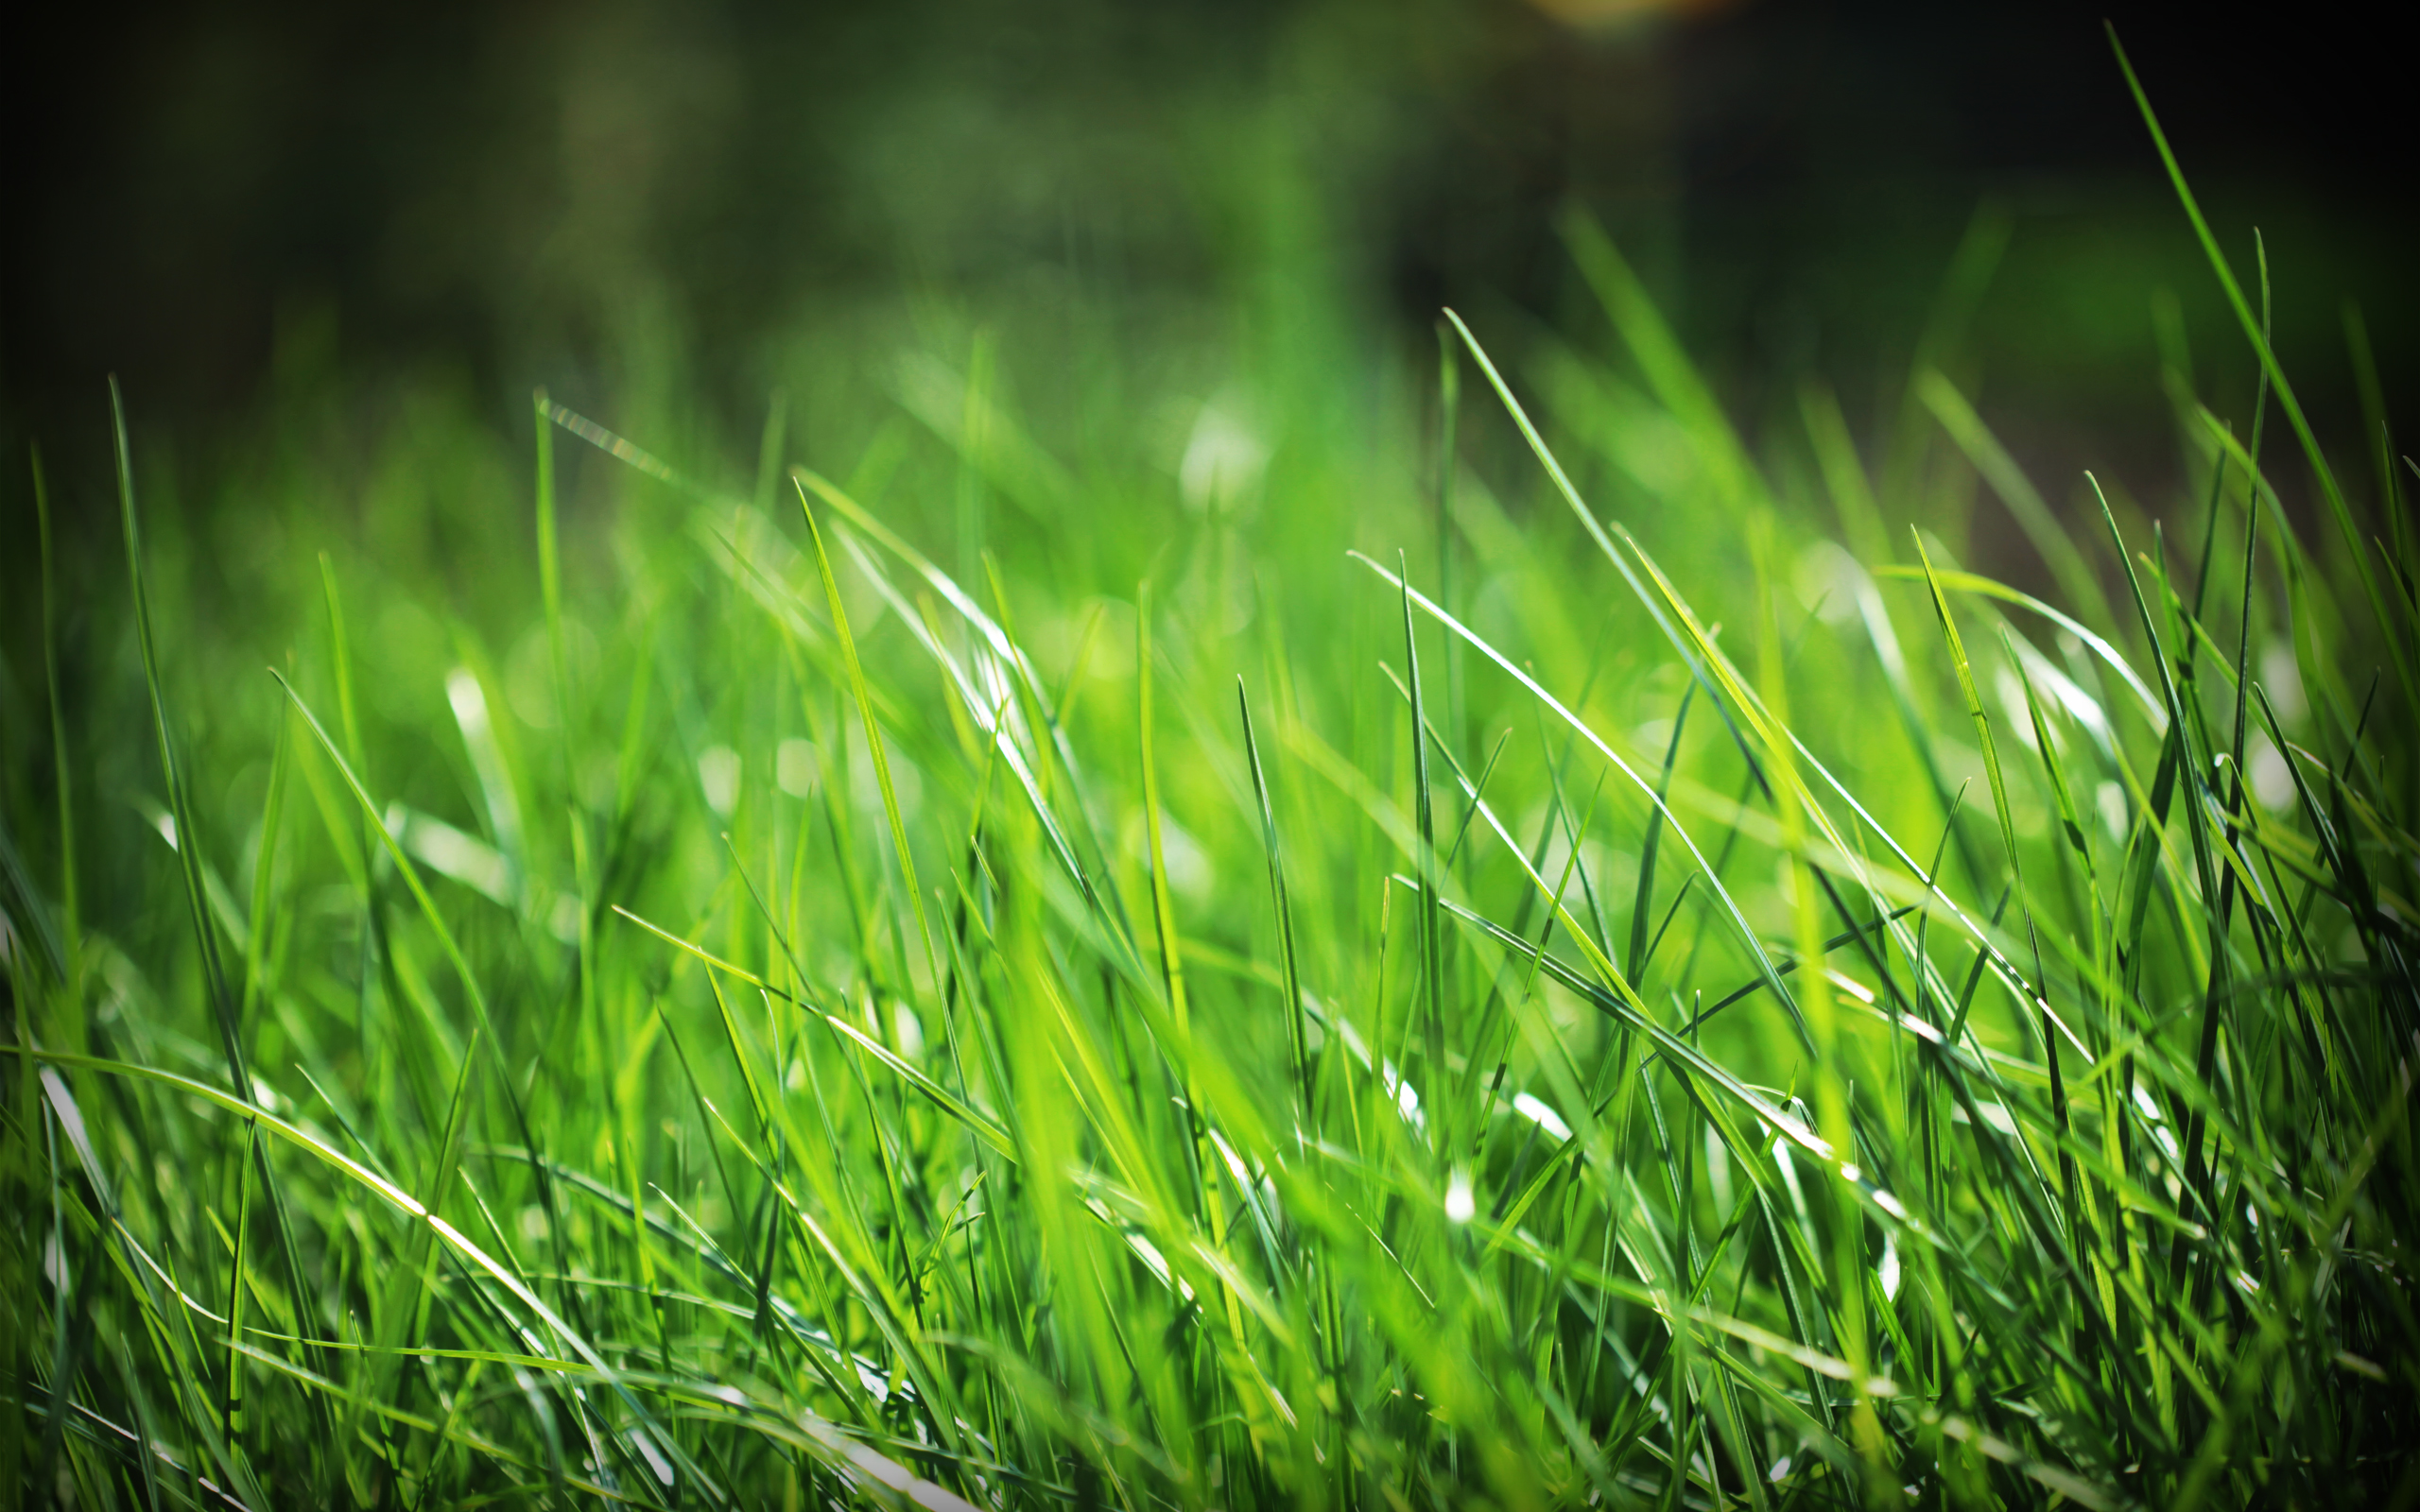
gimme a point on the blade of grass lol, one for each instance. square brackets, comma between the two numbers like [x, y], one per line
[2338, 507]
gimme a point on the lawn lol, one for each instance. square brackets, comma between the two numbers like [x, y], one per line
[1450, 936]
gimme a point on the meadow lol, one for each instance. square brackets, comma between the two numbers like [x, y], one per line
[1457, 937]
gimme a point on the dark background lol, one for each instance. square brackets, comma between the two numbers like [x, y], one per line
[490, 191]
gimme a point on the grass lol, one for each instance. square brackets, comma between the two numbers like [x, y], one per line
[729, 1010]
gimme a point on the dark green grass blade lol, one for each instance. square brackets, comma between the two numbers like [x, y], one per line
[27, 913]
[1635, 963]
[70, 923]
[1296, 1041]
[2338, 507]
[213, 971]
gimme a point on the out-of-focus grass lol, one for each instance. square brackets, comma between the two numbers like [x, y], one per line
[1227, 956]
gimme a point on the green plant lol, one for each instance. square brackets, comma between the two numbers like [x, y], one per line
[1577, 1022]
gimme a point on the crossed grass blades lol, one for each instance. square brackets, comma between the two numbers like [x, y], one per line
[1536, 1037]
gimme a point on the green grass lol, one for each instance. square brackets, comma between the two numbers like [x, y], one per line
[994, 973]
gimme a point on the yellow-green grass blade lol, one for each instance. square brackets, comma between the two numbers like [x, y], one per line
[859, 688]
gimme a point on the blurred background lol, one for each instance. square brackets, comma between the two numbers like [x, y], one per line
[538, 192]
[313, 226]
